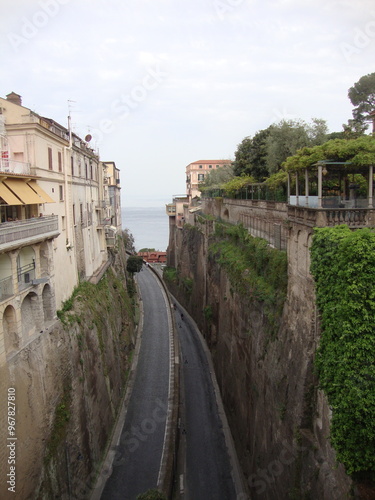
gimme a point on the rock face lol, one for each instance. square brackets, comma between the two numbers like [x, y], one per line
[68, 386]
[278, 417]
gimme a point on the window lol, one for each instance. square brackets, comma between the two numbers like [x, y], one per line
[59, 160]
[74, 214]
[72, 164]
[200, 166]
[81, 212]
[91, 171]
[63, 223]
[50, 166]
[209, 166]
[61, 193]
[200, 177]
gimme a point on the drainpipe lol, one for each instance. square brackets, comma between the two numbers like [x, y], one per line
[69, 242]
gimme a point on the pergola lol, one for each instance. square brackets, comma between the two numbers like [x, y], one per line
[324, 170]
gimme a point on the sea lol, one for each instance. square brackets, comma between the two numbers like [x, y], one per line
[148, 225]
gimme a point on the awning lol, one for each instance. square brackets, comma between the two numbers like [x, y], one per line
[23, 191]
[45, 197]
[8, 196]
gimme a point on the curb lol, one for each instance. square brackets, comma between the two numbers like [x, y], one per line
[237, 475]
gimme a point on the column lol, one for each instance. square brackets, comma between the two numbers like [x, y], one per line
[370, 185]
[320, 169]
[307, 187]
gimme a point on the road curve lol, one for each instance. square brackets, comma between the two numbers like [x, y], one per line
[138, 457]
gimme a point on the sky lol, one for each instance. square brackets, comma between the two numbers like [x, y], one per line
[159, 84]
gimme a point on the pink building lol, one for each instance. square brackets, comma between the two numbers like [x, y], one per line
[196, 172]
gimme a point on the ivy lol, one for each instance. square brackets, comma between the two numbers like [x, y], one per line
[343, 266]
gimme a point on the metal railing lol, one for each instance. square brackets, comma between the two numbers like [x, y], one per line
[12, 232]
[14, 167]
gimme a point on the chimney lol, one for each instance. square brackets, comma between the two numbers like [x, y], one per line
[14, 98]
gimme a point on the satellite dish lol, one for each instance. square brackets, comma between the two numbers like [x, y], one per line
[88, 138]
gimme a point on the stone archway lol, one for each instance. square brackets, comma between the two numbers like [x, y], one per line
[48, 303]
[11, 337]
[31, 315]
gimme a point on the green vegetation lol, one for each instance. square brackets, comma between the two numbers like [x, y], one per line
[170, 274]
[151, 495]
[134, 264]
[253, 267]
[343, 265]
[60, 422]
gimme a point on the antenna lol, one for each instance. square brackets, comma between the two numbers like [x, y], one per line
[69, 123]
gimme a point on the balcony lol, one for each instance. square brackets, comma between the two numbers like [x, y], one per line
[354, 218]
[27, 232]
[14, 167]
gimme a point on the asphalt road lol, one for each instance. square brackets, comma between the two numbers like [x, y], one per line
[208, 470]
[137, 461]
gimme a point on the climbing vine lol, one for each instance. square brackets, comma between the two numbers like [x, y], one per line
[343, 265]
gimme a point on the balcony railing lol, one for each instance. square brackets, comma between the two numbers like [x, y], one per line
[14, 167]
[321, 217]
[13, 233]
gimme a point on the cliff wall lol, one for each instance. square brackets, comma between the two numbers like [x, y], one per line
[264, 364]
[68, 383]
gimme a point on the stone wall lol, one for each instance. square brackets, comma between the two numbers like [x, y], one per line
[279, 418]
[69, 382]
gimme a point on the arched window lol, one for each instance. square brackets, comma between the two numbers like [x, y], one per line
[11, 337]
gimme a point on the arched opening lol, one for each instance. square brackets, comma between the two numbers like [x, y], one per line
[11, 338]
[25, 267]
[31, 316]
[48, 305]
[44, 260]
[6, 281]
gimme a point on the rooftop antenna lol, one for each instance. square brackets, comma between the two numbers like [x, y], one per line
[69, 123]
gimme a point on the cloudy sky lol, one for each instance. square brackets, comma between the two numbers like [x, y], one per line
[162, 83]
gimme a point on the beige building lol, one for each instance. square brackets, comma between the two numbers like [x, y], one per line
[113, 192]
[54, 220]
[196, 172]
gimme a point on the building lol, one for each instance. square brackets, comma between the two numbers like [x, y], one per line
[154, 257]
[54, 217]
[113, 188]
[196, 172]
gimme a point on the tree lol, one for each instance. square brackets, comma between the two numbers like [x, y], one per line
[134, 264]
[251, 155]
[362, 96]
[217, 177]
[129, 240]
[288, 136]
